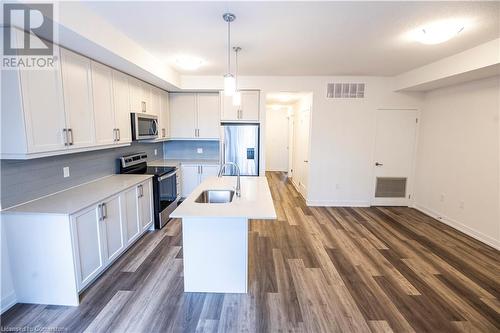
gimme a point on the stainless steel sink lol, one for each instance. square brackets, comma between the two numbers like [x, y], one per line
[215, 196]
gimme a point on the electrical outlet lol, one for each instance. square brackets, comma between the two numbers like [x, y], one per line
[156, 152]
[199, 150]
[66, 172]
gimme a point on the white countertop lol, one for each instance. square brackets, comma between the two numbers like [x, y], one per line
[76, 198]
[177, 162]
[255, 201]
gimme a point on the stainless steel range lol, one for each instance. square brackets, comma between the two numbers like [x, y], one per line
[166, 192]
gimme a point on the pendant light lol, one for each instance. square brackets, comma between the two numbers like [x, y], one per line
[237, 93]
[229, 80]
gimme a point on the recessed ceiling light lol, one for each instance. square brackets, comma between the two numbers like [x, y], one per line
[438, 32]
[189, 63]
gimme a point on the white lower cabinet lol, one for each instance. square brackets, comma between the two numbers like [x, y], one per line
[102, 232]
[194, 174]
[87, 245]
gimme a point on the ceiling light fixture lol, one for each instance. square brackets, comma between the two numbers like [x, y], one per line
[189, 63]
[237, 93]
[438, 32]
[229, 80]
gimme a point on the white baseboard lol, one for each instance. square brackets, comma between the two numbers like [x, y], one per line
[337, 203]
[8, 301]
[459, 226]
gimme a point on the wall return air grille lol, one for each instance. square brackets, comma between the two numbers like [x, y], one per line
[345, 90]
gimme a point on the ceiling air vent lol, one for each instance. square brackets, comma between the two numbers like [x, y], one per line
[345, 90]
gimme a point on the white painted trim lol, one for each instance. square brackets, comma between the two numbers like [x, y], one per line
[337, 203]
[459, 226]
[8, 301]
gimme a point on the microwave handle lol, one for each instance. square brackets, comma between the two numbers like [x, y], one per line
[154, 127]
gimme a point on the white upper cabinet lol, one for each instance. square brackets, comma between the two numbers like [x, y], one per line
[247, 111]
[140, 96]
[208, 116]
[182, 115]
[194, 115]
[102, 92]
[155, 101]
[77, 88]
[121, 107]
[164, 115]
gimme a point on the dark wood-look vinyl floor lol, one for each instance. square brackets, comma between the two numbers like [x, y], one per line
[313, 270]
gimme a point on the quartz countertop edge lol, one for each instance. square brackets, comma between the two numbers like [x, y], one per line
[76, 198]
[177, 162]
[255, 202]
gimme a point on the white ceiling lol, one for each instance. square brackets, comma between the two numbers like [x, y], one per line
[300, 38]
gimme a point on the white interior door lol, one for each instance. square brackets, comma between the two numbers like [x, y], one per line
[394, 157]
[301, 146]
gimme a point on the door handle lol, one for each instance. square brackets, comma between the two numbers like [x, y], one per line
[65, 137]
[378, 164]
[306, 161]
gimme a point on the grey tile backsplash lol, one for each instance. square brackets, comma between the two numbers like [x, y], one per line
[178, 149]
[24, 180]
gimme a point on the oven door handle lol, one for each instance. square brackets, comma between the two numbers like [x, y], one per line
[168, 175]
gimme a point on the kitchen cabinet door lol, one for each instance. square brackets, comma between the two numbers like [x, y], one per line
[135, 92]
[88, 248]
[208, 116]
[182, 115]
[132, 228]
[250, 107]
[155, 101]
[146, 91]
[102, 92]
[229, 112]
[42, 99]
[121, 107]
[164, 115]
[77, 88]
[145, 203]
[112, 222]
[208, 170]
[190, 178]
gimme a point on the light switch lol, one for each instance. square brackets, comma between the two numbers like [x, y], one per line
[66, 172]
[199, 150]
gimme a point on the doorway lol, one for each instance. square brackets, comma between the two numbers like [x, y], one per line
[394, 156]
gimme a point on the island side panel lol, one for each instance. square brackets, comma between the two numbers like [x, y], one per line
[215, 252]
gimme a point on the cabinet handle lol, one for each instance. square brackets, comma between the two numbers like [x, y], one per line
[104, 211]
[65, 137]
[139, 188]
[163, 133]
[114, 134]
[143, 106]
[99, 212]
[70, 132]
[119, 135]
[201, 169]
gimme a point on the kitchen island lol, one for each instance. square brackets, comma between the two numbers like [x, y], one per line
[215, 234]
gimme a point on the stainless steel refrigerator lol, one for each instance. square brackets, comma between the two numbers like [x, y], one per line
[240, 145]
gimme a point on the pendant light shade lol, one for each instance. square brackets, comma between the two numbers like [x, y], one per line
[229, 84]
[229, 79]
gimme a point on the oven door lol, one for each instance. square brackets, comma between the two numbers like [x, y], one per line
[144, 126]
[168, 196]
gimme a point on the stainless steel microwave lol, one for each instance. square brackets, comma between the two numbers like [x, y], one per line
[144, 126]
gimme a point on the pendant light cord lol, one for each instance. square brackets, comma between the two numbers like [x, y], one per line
[229, 47]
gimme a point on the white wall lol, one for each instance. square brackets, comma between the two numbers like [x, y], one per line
[7, 293]
[277, 139]
[458, 157]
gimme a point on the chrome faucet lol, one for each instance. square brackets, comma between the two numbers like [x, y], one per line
[238, 184]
